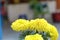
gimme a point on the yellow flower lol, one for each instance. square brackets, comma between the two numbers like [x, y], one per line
[20, 25]
[53, 32]
[34, 37]
[42, 25]
[38, 24]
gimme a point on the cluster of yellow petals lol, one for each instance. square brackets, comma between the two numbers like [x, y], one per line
[53, 32]
[20, 25]
[40, 25]
[34, 37]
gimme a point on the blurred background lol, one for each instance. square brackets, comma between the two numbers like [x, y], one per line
[28, 9]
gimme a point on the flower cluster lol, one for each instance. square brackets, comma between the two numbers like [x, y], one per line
[20, 25]
[39, 25]
[34, 37]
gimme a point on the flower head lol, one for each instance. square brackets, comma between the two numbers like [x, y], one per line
[20, 25]
[38, 24]
[53, 32]
[34, 37]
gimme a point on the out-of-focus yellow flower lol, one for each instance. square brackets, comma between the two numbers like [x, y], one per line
[34, 37]
[42, 25]
[38, 24]
[20, 25]
[53, 32]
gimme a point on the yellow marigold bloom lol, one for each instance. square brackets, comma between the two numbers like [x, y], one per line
[38, 24]
[20, 25]
[53, 32]
[34, 37]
